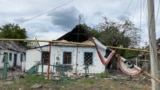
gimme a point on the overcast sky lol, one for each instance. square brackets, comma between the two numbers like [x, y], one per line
[50, 19]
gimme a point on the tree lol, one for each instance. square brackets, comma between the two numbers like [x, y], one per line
[13, 31]
[94, 32]
[116, 34]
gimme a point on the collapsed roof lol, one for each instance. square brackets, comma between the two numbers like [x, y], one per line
[11, 45]
[78, 34]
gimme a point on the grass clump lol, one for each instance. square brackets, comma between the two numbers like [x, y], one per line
[35, 79]
[89, 81]
[103, 75]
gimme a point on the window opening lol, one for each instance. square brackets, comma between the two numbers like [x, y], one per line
[67, 57]
[88, 58]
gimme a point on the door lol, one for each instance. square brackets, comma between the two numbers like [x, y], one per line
[15, 60]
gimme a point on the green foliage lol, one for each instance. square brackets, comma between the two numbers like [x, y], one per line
[119, 34]
[113, 37]
[115, 34]
[127, 53]
[103, 75]
[89, 81]
[32, 79]
[81, 84]
[13, 31]
[130, 54]
[93, 31]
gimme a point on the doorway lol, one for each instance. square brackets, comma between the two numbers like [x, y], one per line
[15, 60]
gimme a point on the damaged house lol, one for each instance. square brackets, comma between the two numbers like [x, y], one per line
[15, 53]
[66, 53]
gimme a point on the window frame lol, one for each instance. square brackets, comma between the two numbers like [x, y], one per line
[91, 57]
[63, 61]
[45, 59]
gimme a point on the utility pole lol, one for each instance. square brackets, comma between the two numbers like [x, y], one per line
[79, 27]
[152, 41]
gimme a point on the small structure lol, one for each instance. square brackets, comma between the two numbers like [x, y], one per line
[76, 56]
[15, 53]
[143, 59]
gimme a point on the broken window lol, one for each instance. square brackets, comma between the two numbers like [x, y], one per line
[45, 57]
[67, 57]
[88, 58]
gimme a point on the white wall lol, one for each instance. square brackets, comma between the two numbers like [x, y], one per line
[10, 60]
[18, 59]
[32, 57]
[1, 58]
[57, 56]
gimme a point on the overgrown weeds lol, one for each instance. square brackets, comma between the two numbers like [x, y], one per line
[31, 79]
[103, 75]
[99, 82]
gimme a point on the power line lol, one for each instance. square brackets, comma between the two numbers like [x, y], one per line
[136, 8]
[49, 11]
[127, 8]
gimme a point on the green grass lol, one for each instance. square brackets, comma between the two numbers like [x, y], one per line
[100, 82]
[103, 75]
[34, 79]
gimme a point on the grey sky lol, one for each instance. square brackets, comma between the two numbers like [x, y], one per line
[66, 18]
[47, 19]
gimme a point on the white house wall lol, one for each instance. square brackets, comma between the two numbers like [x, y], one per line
[96, 67]
[23, 62]
[57, 56]
[18, 59]
[32, 57]
[10, 60]
[46, 48]
[1, 58]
